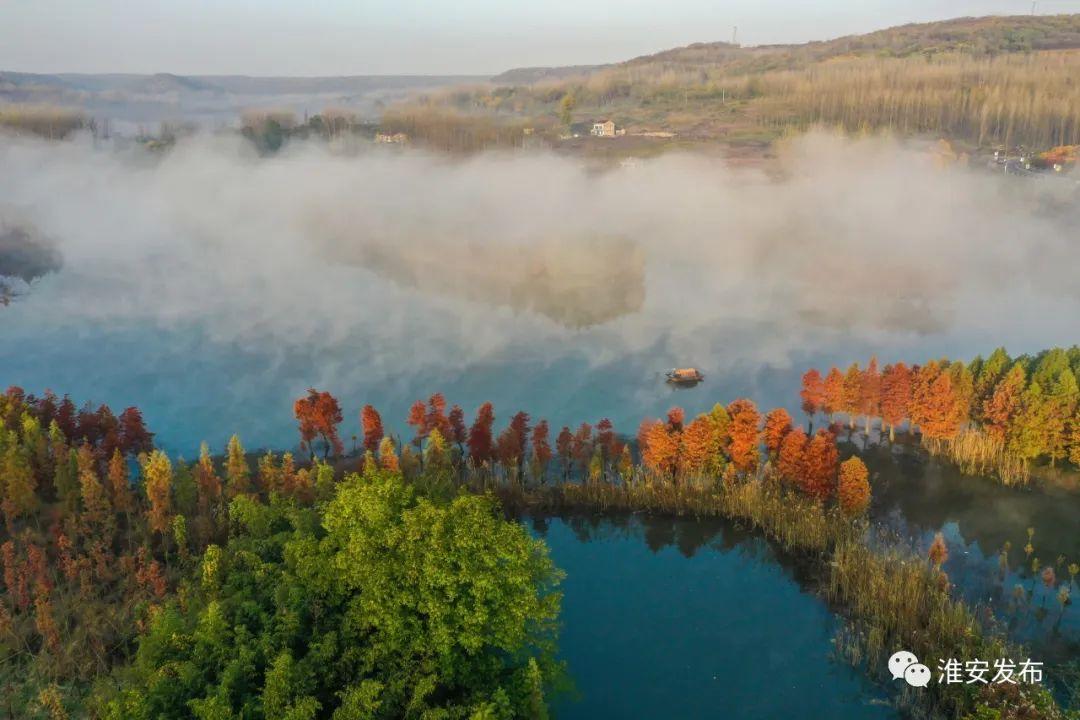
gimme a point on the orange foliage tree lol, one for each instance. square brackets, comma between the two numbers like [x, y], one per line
[435, 418]
[942, 411]
[371, 424]
[853, 487]
[870, 393]
[777, 425]
[922, 378]
[834, 392]
[744, 434]
[319, 415]
[852, 393]
[698, 446]
[818, 476]
[792, 455]
[895, 396]
[417, 420]
[1002, 407]
[812, 394]
[660, 451]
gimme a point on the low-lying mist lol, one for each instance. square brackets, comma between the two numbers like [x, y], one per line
[393, 267]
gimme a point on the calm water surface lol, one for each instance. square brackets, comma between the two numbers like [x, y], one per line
[693, 619]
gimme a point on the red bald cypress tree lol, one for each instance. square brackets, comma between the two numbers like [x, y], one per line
[541, 450]
[436, 419]
[852, 393]
[942, 410]
[319, 414]
[792, 455]
[371, 424]
[134, 437]
[777, 425]
[895, 396]
[119, 485]
[922, 378]
[480, 441]
[605, 439]
[744, 433]
[1003, 406]
[818, 476]
[812, 394]
[834, 392]
[582, 447]
[564, 446]
[870, 393]
[458, 432]
[661, 451]
[417, 420]
[511, 443]
[698, 446]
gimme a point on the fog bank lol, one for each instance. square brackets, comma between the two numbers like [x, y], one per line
[386, 267]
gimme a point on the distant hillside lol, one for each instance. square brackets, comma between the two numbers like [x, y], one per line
[167, 82]
[165, 97]
[525, 76]
[976, 36]
[981, 81]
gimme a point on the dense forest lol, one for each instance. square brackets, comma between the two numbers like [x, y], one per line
[212, 590]
[996, 415]
[385, 580]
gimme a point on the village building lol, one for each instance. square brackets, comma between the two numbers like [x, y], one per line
[606, 128]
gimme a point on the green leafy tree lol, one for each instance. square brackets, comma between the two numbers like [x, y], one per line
[393, 606]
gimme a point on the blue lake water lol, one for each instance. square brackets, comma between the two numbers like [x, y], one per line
[687, 619]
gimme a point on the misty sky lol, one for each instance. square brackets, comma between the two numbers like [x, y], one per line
[357, 37]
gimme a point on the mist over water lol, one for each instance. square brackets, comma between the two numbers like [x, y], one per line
[211, 286]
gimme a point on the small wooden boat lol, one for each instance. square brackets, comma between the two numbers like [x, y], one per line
[685, 376]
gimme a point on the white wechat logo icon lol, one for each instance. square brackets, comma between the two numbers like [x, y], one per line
[899, 662]
[905, 665]
[917, 675]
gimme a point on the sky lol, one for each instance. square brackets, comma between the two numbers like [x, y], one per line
[432, 37]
